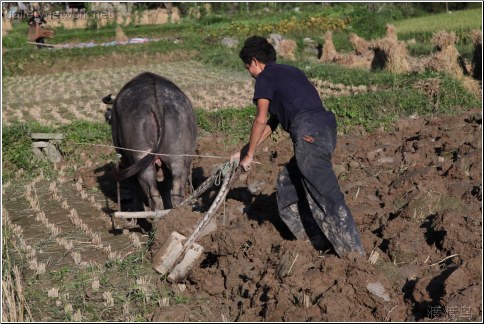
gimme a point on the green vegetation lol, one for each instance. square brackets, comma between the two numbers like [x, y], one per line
[17, 145]
[422, 28]
[17, 149]
[204, 34]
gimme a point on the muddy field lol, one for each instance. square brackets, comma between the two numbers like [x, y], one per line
[415, 193]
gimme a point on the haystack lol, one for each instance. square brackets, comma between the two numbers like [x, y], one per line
[68, 23]
[6, 26]
[329, 51]
[391, 32]
[175, 15]
[473, 86]
[283, 46]
[446, 58]
[477, 57]
[390, 55]
[120, 36]
[355, 61]
[287, 49]
[360, 45]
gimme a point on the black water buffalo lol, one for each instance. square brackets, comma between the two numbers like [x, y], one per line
[151, 114]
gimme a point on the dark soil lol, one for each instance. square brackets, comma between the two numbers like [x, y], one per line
[415, 193]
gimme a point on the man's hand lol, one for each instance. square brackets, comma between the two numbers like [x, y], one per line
[245, 163]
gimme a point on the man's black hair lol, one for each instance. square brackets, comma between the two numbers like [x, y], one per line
[259, 48]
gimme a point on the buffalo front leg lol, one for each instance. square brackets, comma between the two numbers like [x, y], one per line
[147, 180]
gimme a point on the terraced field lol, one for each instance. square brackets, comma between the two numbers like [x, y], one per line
[56, 99]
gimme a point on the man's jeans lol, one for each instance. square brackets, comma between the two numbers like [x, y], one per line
[309, 198]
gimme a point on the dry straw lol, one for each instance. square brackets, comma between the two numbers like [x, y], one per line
[14, 306]
[476, 36]
[360, 45]
[287, 49]
[356, 61]
[329, 50]
[390, 54]
[446, 58]
[6, 26]
[391, 32]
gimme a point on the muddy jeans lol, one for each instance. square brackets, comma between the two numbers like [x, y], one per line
[309, 198]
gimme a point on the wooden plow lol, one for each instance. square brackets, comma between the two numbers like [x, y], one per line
[178, 254]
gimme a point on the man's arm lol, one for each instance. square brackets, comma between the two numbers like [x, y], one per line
[260, 131]
[265, 135]
[259, 128]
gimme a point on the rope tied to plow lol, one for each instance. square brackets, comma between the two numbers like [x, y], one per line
[157, 154]
[222, 173]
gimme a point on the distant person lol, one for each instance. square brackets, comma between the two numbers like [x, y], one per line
[36, 26]
[309, 198]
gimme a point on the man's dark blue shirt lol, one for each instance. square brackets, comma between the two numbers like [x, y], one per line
[293, 100]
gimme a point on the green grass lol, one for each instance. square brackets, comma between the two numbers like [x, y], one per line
[236, 123]
[425, 49]
[422, 28]
[17, 149]
[17, 144]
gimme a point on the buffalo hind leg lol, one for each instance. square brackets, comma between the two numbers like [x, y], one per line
[180, 173]
[147, 180]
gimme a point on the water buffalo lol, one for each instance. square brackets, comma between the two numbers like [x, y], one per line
[151, 114]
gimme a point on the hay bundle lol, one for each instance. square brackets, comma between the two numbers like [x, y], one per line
[355, 61]
[391, 32]
[120, 36]
[161, 16]
[477, 57]
[473, 86]
[443, 40]
[360, 45]
[175, 15]
[390, 55]
[68, 24]
[81, 23]
[329, 51]
[446, 58]
[283, 46]
[287, 49]
[6, 26]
